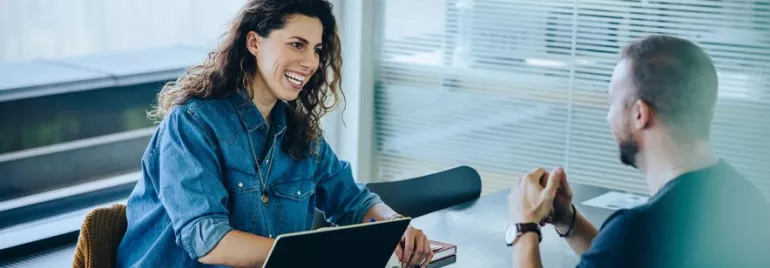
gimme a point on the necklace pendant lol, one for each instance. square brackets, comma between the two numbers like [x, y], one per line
[265, 198]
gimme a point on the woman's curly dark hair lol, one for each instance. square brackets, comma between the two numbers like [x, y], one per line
[231, 67]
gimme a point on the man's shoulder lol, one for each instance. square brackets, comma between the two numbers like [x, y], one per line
[627, 216]
[619, 240]
[623, 223]
[619, 216]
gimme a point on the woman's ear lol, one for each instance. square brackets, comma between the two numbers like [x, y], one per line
[252, 42]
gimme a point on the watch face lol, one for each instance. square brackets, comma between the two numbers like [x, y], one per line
[510, 234]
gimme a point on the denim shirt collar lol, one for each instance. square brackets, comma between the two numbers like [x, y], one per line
[252, 118]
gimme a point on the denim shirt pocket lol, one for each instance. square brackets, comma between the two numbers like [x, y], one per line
[243, 188]
[294, 203]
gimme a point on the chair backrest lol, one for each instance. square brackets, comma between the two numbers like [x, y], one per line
[100, 236]
[422, 195]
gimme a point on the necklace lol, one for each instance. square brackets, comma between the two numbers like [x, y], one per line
[269, 160]
[265, 198]
[263, 182]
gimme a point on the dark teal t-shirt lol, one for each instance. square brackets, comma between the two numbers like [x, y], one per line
[712, 217]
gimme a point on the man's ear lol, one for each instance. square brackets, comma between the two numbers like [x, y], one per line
[252, 42]
[642, 115]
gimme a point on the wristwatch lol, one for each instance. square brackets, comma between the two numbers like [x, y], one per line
[515, 231]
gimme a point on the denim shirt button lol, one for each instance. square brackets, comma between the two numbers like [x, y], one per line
[299, 193]
[240, 184]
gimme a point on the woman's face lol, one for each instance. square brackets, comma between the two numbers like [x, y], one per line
[286, 58]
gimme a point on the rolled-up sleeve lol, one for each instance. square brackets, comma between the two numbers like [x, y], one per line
[190, 186]
[342, 200]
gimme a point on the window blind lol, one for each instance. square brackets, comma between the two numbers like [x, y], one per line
[506, 86]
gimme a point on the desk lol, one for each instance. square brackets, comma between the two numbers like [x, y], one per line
[478, 230]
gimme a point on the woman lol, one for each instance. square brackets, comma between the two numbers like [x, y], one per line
[239, 156]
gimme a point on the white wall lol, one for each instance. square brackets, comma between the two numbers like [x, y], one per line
[354, 138]
[46, 29]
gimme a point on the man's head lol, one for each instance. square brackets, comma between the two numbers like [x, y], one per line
[662, 85]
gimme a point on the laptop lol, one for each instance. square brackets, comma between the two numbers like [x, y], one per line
[358, 245]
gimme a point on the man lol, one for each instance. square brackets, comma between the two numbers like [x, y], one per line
[702, 213]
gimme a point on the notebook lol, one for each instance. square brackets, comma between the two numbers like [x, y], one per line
[442, 250]
[443, 254]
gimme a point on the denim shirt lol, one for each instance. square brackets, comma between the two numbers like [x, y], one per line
[200, 181]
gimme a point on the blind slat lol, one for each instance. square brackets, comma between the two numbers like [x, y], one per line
[505, 86]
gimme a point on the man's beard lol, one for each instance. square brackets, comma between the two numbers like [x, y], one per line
[629, 148]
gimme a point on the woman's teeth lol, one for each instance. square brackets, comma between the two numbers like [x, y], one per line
[295, 78]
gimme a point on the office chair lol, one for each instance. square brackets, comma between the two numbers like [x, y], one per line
[100, 236]
[422, 195]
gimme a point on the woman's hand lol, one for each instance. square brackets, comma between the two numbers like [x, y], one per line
[414, 248]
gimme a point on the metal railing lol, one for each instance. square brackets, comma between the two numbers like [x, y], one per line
[72, 145]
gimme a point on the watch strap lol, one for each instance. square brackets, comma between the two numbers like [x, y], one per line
[522, 228]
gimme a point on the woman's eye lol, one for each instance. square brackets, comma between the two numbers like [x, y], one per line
[296, 45]
[318, 51]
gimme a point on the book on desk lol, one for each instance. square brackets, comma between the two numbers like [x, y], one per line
[443, 254]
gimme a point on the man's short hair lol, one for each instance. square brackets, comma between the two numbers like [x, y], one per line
[677, 79]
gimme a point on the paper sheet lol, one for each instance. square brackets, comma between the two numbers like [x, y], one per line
[616, 200]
